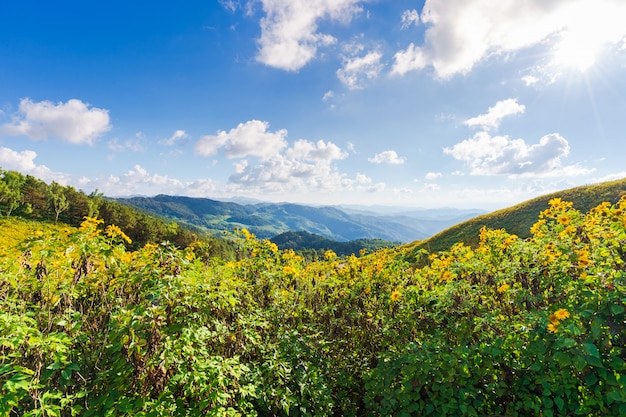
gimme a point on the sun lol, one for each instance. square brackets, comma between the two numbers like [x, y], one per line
[576, 51]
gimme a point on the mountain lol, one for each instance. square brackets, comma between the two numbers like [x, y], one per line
[427, 221]
[270, 219]
[519, 219]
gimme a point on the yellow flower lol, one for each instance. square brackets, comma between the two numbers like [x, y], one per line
[271, 246]
[563, 219]
[583, 258]
[246, 233]
[290, 270]
[561, 314]
[567, 231]
[446, 276]
[368, 290]
[329, 255]
[503, 288]
[114, 231]
[555, 202]
[395, 295]
[535, 229]
[552, 328]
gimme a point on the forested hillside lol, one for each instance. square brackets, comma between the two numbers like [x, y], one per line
[313, 246]
[30, 198]
[514, 327]
[266, 220]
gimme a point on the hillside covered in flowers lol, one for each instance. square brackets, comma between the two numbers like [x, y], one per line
[509, 326]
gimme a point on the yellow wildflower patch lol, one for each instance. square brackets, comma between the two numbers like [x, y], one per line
[502, 288]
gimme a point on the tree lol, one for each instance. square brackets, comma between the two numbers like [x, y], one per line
[94, 203]
[56, 198]
[11, 190]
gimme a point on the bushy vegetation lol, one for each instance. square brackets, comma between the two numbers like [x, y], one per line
[515, 327]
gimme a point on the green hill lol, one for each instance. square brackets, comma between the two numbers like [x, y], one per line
[266, 220]
[518, 219]
[306, 242]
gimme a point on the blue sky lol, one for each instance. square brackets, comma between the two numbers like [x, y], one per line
[465, 103]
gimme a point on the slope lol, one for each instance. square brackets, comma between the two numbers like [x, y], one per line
[518, 219]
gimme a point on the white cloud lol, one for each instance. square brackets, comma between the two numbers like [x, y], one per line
[247, 139]
[461, 33]
[387, 157]
[73, 121]
[500, 155]
[496, 113]
[24, 162]
[431, 176]
[131, 145]
[356, 70]
[611, 177]
[176, 138]
[362, 179]
[319, 151]
[289, 37]
[530, 80]
[410, 17]
[328, 95]
[304, 166]
[412, 58]
[229, 5]
[139, 181]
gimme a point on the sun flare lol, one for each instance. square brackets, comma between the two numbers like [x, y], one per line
[576, 51]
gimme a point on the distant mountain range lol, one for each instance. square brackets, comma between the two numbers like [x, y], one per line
[267, 220]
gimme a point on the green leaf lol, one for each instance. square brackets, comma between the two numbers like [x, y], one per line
[591, 350]
[616, 308]
[564, 343]
[559, 403]
[591, 379]
[613, 396]
[563, 359]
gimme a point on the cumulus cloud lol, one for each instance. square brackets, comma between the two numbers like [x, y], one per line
[409, 18]
[495, 114]
[24, 162]
[410, 59]
[357, 69]
[289, 36]
[247, 139]
[319, 151]
[387, 157]
[304, 166]
[501, 155]
[431, 176]
[74, 121]
[461, 33]
[139, 181]
[301, 167]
